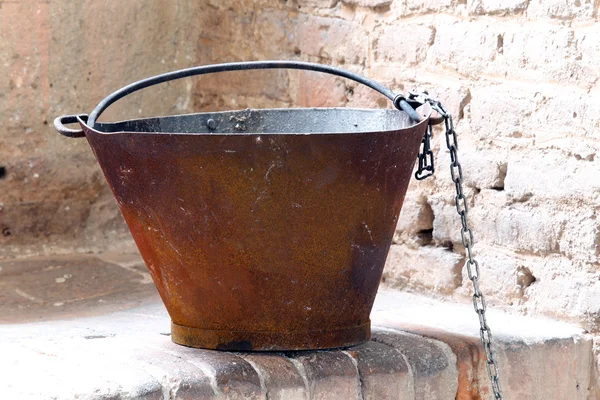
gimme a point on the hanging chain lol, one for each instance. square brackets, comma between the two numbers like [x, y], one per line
[426, 169]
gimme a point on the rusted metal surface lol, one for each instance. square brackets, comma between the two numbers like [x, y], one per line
[263, 241]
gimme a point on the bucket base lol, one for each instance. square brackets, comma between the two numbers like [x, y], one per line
[269, 341]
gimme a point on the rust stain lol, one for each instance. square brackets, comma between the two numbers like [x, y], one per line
[468, 359]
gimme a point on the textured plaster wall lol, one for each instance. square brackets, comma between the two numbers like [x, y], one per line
[63, 57]
[520, 77]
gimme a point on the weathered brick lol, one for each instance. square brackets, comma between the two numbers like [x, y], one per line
[426, 6]
[565, 120]
[588, 44]
[562, 9]
[467, 47]
[502, 112]
[333, 39]
[228, 35]
[205, 101]
[226, 25]
[282, 379]
[232, 375]
[446, 223]
[488, 47]
[482, 170]
[384, 374]
[272, 84]
[455, 96]
[521, 226]
[369, 3]
[312, 89]
[428, 269]
[331, 375]
[241, 4]
[554, 354]
[361, 96]
[497, 7]
[432, 363]
[416, 216]
[570, 114]
[181, 378]
[273, 34]
[553, 175]
[520, 223]
[317, 3]
[541, 53]
[557, 286]
[390, 43]
[500, 275]
[580, 238]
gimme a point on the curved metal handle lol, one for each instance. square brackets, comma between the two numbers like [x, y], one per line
[60, 122]
[399, 101]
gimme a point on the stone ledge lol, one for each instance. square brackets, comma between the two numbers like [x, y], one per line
[539, 358]
[421, 349]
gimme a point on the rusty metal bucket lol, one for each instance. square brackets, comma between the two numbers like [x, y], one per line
[262, 229]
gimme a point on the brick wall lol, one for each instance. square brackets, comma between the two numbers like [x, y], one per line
[520, 77]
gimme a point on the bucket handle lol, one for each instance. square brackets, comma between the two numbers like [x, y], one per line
[60, 122]
[399, 101]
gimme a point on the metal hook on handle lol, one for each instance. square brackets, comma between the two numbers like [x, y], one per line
[399, 101]
[402, 103]
[60, 122]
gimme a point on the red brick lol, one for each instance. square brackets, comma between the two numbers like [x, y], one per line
[383, 371]
[331, 375]
[431, 362]
[282, 379]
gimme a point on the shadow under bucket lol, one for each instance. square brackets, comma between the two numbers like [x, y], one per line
[262, 229]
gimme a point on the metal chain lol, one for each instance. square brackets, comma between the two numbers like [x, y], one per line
[425, 169]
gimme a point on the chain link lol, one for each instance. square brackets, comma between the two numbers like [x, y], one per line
[425, 169]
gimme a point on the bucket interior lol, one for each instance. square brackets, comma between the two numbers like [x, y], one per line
[265, 121]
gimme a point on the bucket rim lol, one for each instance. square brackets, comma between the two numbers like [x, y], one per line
[425, 111]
